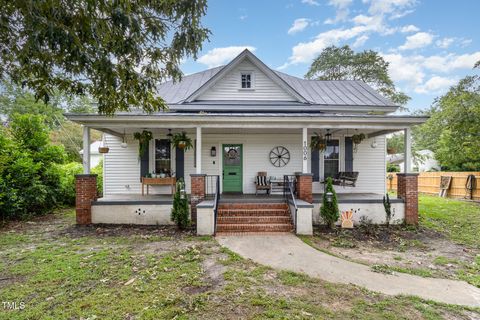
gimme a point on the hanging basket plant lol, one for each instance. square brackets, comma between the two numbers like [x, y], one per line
[357, 139]
[318, 142]
[182, 141]
[143, 138]
[103, 149]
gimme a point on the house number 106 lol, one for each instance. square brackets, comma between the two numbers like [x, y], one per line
[305, 150]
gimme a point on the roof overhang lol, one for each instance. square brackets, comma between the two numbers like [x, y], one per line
[247, 120]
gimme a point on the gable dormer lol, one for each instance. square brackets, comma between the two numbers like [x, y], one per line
[246, 78]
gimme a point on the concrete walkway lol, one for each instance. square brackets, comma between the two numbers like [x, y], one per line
[287, 252]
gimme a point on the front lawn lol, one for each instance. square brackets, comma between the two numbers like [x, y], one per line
[59, 271]
[444, 245]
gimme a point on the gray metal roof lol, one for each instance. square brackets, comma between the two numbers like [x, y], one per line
[316, 92]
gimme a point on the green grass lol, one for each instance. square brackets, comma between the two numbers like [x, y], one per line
[74, 273]
[459, 220]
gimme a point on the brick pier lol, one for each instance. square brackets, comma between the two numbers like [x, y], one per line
[85, 193]
[408, 191]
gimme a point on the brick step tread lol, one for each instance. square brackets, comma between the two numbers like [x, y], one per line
[253, 210]
[255, 227]
[251, 233]
[254, 220]
[252, 206]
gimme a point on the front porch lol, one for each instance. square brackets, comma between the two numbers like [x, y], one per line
[236, 149]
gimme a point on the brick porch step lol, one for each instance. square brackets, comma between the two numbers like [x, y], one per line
[259, 205]
[285, 219]
[270, 227]
[252, 212]
[253, 218]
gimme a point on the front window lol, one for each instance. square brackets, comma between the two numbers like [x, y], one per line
[331, 159]
[162, 156]
[246, 80]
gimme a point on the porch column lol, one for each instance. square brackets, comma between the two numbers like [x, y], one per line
[198, 150]
[408, 150]
[86, 150]
[304, 151]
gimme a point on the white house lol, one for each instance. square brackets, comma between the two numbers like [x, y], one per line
[245, 118]
[424, 161]
[95, 156]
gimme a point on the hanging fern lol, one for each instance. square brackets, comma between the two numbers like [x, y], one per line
[143, 138]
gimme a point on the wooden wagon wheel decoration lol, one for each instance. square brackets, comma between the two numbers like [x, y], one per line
[279, 156]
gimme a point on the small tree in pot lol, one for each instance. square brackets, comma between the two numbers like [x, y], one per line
[180, 213]
[329, 209]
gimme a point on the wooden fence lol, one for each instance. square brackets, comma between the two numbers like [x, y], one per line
[429, 182]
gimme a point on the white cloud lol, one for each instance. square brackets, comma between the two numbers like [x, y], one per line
[394, 7]
[243, 17]
[445, 42]
[298, 25]
[404, 69]
[311, 2]
[304, 52]
[409, 28]
[218, 56]
[435, 84]
[418, 40]
[360, 41]
[342, 10]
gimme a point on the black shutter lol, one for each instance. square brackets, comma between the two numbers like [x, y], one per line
[179, 163]
[144, 159]
[348, 154]
[315, 164]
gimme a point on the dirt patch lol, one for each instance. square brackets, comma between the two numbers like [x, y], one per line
[427, 251]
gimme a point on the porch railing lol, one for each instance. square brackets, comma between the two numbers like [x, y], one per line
[289, 195]
[212, 191]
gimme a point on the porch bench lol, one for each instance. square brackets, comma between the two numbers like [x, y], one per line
[346, 178]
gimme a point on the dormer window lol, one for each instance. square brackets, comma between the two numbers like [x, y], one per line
[246, 80]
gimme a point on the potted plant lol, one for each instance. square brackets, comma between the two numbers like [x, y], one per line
[143, 138]
[103, 149]
[182, 141]
[357, 139]
[318, 142]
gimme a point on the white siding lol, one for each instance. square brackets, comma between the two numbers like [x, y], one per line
[229, 87]
[122, 168]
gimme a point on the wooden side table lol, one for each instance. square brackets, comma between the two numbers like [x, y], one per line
[158, 182]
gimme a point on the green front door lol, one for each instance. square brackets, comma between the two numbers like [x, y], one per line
[232, 168]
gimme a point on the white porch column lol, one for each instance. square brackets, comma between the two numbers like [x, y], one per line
[305, 150]
[198, 150]
[408, 150]
[86, 150]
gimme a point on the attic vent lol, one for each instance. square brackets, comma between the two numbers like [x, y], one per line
[246, 80]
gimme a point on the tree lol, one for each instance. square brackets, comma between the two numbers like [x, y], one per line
[115, 51]
[453, 130]
[342, 63]
[395, 143]
[329, 210]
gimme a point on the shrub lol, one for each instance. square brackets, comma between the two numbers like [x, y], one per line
[29, 178]
[180, 212]
[329, 210]
[98, 170]
[67, 181]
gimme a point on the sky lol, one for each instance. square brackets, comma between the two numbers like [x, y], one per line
[430, 45]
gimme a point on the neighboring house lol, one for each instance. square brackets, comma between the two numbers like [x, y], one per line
[242, 117]
[422, 161]
[95, 156]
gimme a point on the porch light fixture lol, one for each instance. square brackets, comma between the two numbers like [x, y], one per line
[213, 151]
[124, 141]
[328, 136]
[329, 196]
